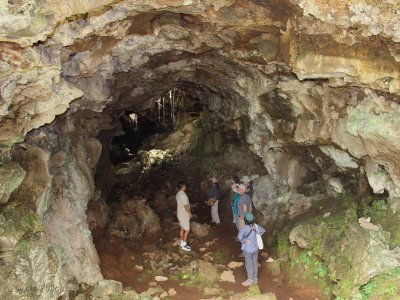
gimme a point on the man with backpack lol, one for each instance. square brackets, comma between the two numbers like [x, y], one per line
[250, 237]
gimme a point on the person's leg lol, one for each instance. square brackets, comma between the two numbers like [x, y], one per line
[185, 235]
[249, 265]
[216, 218]
[255, 266]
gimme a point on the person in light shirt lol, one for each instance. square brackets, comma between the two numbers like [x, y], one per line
[184, 215]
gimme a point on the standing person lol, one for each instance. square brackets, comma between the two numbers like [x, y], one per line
[234, 181]
[235, 204]
[184, 214]
[247, 236]
[214, 193]
[244, 204]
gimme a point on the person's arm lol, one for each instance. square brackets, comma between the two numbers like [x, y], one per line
[261, 230]
[187, 208]
[241, 235]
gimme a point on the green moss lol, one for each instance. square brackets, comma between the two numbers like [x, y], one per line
[383, 286]
[283, 245]
[221, 256]
[380, 213]
[307, 269]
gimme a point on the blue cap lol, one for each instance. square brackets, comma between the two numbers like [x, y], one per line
[249, 216]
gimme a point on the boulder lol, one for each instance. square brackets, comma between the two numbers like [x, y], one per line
[134, 220]
[353, 254]
[11, 175]
[200, 230]
[107, 288]
[207, 271]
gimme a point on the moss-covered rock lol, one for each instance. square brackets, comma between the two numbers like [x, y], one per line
[383, 287]
[339, 253]
[11, 175]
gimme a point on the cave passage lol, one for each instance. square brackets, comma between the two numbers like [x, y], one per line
[134, 223]
[106, 105]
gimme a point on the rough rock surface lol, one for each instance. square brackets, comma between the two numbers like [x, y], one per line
[351, 253]
[134, 220]
[312, 86]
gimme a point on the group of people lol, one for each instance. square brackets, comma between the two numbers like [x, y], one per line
[249, 232]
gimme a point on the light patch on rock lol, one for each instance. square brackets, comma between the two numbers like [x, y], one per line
[227, 276]
[235, 264]
[341, 158]
[336, 185]
[161, 278]
[366, 223]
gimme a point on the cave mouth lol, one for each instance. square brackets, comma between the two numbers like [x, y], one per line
[133, 218]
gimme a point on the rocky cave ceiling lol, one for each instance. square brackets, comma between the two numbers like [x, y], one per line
[312, 86]
[333, 65]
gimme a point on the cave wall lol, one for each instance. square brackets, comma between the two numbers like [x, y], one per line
[311, 86]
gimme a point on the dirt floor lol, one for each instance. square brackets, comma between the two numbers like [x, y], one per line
[119, 260]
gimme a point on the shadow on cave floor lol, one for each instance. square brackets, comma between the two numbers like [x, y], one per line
[122, 260]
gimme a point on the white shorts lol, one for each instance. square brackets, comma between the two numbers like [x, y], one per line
[184, 222]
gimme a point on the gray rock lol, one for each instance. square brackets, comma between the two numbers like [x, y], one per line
[107, 288]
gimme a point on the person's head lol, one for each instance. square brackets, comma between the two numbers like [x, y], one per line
[235, 179]
[246, 179]
[182, 186]
[235, 188]
[248, 218]
[242, 189]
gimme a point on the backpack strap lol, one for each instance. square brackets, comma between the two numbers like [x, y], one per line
[251, 229]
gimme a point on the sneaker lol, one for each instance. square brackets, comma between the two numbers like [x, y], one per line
[186, 248]
[248, 282]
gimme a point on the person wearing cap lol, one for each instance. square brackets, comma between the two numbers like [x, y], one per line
[247, 236]
[214, 193]
[244, 205]
[235, 203]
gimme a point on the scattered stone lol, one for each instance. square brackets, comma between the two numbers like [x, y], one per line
[203, 249]
[151, 291]
[161, 278]
[235, 264]
[200, 230]
[326, 215]
[366, 223]
[227, 276]
[270, 260]
[106, 288]
[163, 295]
[139, 268]
[172, 292]
[152, 283]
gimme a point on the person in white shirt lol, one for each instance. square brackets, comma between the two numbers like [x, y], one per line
[184, 215]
